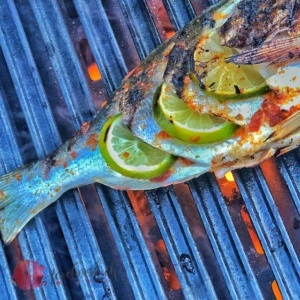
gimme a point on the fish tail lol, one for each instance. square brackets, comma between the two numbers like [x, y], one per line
[23, 194]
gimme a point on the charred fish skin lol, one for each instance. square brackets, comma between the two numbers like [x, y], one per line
[159, 66]
[30, 189]
[144, 126]
[254, 21]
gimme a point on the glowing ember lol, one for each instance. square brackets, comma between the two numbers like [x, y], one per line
[276, 291]
[94, 72]
[229, 176]
[255, 240]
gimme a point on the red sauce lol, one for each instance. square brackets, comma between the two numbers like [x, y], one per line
[18, 176]
[21, 275]
[57, 189]
[186, 162]
[162, 177]
[271, 111]
[256, 121]
[195, 139]
[38, 274]
[92, 141]
[74, 154]
[85, 127]
[219, 16]
[163, 135]
[241, 132]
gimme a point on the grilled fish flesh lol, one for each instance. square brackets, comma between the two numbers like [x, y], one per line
[269, 124]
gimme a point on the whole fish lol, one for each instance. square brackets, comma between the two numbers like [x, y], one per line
[268, 124]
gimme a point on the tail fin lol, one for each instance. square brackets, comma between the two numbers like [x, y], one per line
[23, 194]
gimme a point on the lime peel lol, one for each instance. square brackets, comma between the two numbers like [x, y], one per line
[128, 155]
[180, 121]
[221, 79]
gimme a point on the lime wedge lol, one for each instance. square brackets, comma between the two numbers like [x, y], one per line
[128, 155]
[221, 79]
[180, 121]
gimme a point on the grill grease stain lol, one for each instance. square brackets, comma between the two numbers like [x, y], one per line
[187, 263]
[99, 278]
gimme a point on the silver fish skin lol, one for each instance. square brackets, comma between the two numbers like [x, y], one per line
[176, 68]
[29, 189]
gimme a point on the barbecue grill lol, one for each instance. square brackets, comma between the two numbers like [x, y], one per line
[234, 238]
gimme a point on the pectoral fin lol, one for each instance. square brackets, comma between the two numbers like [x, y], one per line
[287, 126]
[274, 51]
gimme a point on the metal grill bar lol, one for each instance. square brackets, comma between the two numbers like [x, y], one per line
[147, 286]
[7, 287]
[290, 170]
[270, 229]
[26, 78]
[72, 217]
[8, 146]
[86, 256]
[27, 83]
[38, 251]
[9, 154]
[35, 246]
[141, 26]
[227, 246]
[181, 12]
[188, 263]
[133, 250]
[103, 42]
[35, 230]
[64, 60]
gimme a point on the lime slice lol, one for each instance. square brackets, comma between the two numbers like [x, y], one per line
[180, 121]
[128, 155]
[221, 79]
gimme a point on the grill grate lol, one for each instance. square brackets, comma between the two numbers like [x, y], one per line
[98, 243]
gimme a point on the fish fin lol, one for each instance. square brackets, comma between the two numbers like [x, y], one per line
[287, 126]
[274, 51]
[291, 142]
[287, 149]
[246, 162]
[23, 194]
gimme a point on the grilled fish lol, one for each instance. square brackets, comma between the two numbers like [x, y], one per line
[268, 124]
[253, 22]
